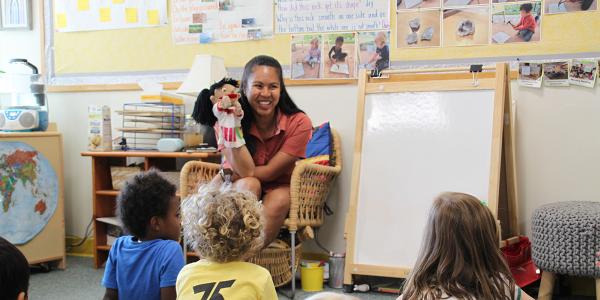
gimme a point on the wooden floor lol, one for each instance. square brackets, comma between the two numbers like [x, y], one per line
[479, 15]
[428, 18]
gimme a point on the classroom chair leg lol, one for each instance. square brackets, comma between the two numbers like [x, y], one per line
[547, 285]
[598, 288]
[291, 296]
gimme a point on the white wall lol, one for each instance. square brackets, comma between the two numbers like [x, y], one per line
[558, 140]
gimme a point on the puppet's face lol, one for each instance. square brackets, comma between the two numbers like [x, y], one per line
[225, 90]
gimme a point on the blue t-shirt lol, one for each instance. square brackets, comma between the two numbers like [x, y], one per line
[138, 270]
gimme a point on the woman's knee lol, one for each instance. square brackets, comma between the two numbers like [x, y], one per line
[277, 204]
[250, 183]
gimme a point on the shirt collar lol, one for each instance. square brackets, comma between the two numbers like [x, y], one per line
[281, 125]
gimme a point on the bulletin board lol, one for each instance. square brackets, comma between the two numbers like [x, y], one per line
[120, 54]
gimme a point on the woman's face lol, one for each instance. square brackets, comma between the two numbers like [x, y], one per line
[263, 89]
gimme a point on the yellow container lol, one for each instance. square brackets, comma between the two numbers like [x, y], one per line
[312, 278]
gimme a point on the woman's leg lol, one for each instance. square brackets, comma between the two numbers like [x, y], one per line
[248, 183]
[276, 206]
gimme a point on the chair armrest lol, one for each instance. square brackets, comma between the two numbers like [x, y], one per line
[308, 191]
[194, 173]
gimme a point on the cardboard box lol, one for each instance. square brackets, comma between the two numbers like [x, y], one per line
[99, 129]
[162, 97]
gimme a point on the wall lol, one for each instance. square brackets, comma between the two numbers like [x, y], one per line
[558, 140]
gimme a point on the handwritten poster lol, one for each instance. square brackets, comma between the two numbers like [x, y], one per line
[106, 15]
[194, 21]
[298, 16]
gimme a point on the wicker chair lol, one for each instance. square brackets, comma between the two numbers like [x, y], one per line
[309, 187]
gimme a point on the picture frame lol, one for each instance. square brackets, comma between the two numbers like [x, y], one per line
[15, 14]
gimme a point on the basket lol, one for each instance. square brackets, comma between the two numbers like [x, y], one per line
[120, 174]
[277, 262]
[174, 178]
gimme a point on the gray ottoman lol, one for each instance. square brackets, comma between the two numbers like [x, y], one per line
[565, 240]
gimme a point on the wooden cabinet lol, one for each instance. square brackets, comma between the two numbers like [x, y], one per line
[105, 197]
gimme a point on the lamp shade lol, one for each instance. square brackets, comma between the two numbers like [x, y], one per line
[206, 70]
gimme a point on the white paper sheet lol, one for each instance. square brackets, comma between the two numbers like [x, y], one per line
[411, 3]
[525, 70]
[340, 68]
[238, 22]
[457, 3]
[501, 37]
[90, 19]
[297, 70]
[298, 16]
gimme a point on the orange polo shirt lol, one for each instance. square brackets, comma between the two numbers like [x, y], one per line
[291, 137]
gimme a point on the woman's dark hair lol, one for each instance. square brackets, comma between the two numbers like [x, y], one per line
[142, 197]
[203, 113]
[14, 271]
[286, 105]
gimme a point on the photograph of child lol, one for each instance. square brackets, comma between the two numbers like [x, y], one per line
[583, 72]
[306, 56]
[374, 50]
[517, 23]
[340, 61]
[466, 26]
[556, 73]
[426, 34]
[566, 6]
[417, 4]
[530, 74]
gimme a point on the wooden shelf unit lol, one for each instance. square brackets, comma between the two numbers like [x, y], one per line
[104, 196]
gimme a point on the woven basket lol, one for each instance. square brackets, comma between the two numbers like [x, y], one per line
[120, 174]
[277, 262]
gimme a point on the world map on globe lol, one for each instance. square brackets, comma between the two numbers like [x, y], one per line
[28, 192]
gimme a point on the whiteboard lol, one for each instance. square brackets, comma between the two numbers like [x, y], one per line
[416, 145]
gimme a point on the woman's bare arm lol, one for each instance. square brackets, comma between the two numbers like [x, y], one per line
[280, 163]
[241, 161]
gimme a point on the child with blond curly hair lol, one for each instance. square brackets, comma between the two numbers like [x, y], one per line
[225, 226]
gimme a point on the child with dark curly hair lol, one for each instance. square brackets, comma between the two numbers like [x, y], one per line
[145, 264]
[14, 272]
[225, 227]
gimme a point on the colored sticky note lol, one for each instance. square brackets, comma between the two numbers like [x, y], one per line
[118, 1]
[131, 15]
[61, 20]
[105, 14]
[83, 4]
[153, 17]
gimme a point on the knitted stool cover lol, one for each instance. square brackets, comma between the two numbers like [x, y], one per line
[566, 238]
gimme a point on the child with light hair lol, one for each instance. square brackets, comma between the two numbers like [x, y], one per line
[459, 256]
[382, 52]
[314, 54]
[225, 226]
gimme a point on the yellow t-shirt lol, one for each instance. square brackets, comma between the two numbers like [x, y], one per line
[206, 280]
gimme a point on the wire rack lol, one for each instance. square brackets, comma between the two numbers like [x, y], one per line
[146, 123]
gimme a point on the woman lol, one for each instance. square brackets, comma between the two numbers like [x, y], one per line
[276, 133]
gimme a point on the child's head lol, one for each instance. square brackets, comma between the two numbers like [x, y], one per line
[459, 254]
[331, 296]
[14, 272]
[525, 9]
[148, 208]
[222, 223]
[380, 39]
[314, 43]
[339, 41]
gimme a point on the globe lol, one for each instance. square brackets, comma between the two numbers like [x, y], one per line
[28, 192]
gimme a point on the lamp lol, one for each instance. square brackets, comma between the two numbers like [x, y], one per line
[206, 70]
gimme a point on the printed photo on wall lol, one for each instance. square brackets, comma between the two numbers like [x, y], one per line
[195, 28]
[566, 6]
[583, 72]
[340, 60]
[503, 1]
[247, 23]
[517, 23]
[225, 5]
[417, 4]
[198, 18]
[418, 28]
[455, 3]
[206, 37]
[466, 26]
[254, 34]
[15, 14]
[306, 56]
[556, 73]
[374, 50]
[530, 74]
